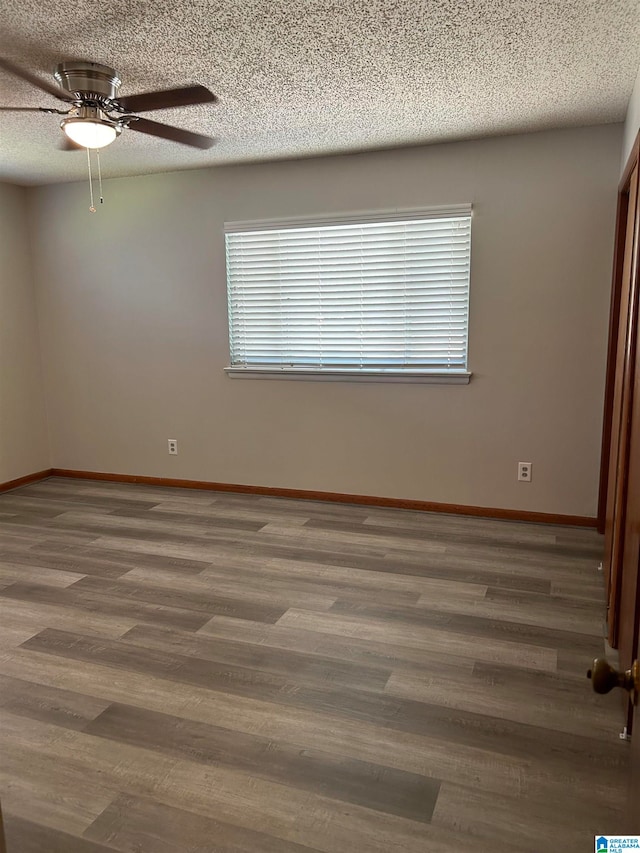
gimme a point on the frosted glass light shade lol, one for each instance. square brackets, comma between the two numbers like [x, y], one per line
[89, 133]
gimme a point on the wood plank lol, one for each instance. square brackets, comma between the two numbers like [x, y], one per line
[363, 579]
[12, 634]
[108, 605]
[32, 617]
[246, 588]
[555, 704]
[65, 708]
[380, 788]
[15, 572]
[484, 818]
[476, 625]
[51, 803]
[288, 587]
[25, 836]
[36, 786]
[64, 557]
[222, 509]
[195, 603]
[422, 637]
[130, 519]
[134, 823]
[292, 662]
[352, 649]
[318, 537]
[107, 560]
[531, 609]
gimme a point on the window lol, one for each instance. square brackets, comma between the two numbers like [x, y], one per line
[368, 296]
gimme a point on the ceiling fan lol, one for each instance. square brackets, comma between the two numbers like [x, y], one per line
[96, 115]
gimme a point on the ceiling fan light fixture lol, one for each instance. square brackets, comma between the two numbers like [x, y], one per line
[89, 128]
[90, 133]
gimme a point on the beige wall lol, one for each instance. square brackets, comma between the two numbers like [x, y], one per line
[23, 438]
[134, 328]
[632, 123]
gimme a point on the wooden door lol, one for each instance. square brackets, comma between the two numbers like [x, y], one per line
[633, 809]
[628, 583]
[622, 429]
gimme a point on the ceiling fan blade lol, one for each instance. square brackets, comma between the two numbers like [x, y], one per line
[167, 98]
[47, 110]
[175, 134]
[36, 81]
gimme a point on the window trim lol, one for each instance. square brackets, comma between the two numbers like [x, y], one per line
[354, 217]
[459, 376]
[426, 377]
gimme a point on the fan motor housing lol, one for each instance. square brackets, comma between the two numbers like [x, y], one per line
[88, 79]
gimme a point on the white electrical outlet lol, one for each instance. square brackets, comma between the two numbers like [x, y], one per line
[173, 446]
[524, 471]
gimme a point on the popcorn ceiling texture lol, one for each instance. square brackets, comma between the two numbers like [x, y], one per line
[298, 78]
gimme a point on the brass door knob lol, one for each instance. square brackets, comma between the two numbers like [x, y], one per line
[604, 677]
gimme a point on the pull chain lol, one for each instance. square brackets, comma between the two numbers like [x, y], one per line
[91, 208]
[99, 175]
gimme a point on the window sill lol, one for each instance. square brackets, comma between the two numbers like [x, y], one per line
[427, 377]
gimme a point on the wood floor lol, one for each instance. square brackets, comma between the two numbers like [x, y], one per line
[184, 672]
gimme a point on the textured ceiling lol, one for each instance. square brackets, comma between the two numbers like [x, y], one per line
[303, 77]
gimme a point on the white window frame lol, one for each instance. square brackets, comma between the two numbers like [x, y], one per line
[448, 376]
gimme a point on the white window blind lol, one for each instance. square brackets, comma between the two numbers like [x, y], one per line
[380, 294]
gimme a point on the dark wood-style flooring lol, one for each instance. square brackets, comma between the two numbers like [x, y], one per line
[184, 672]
